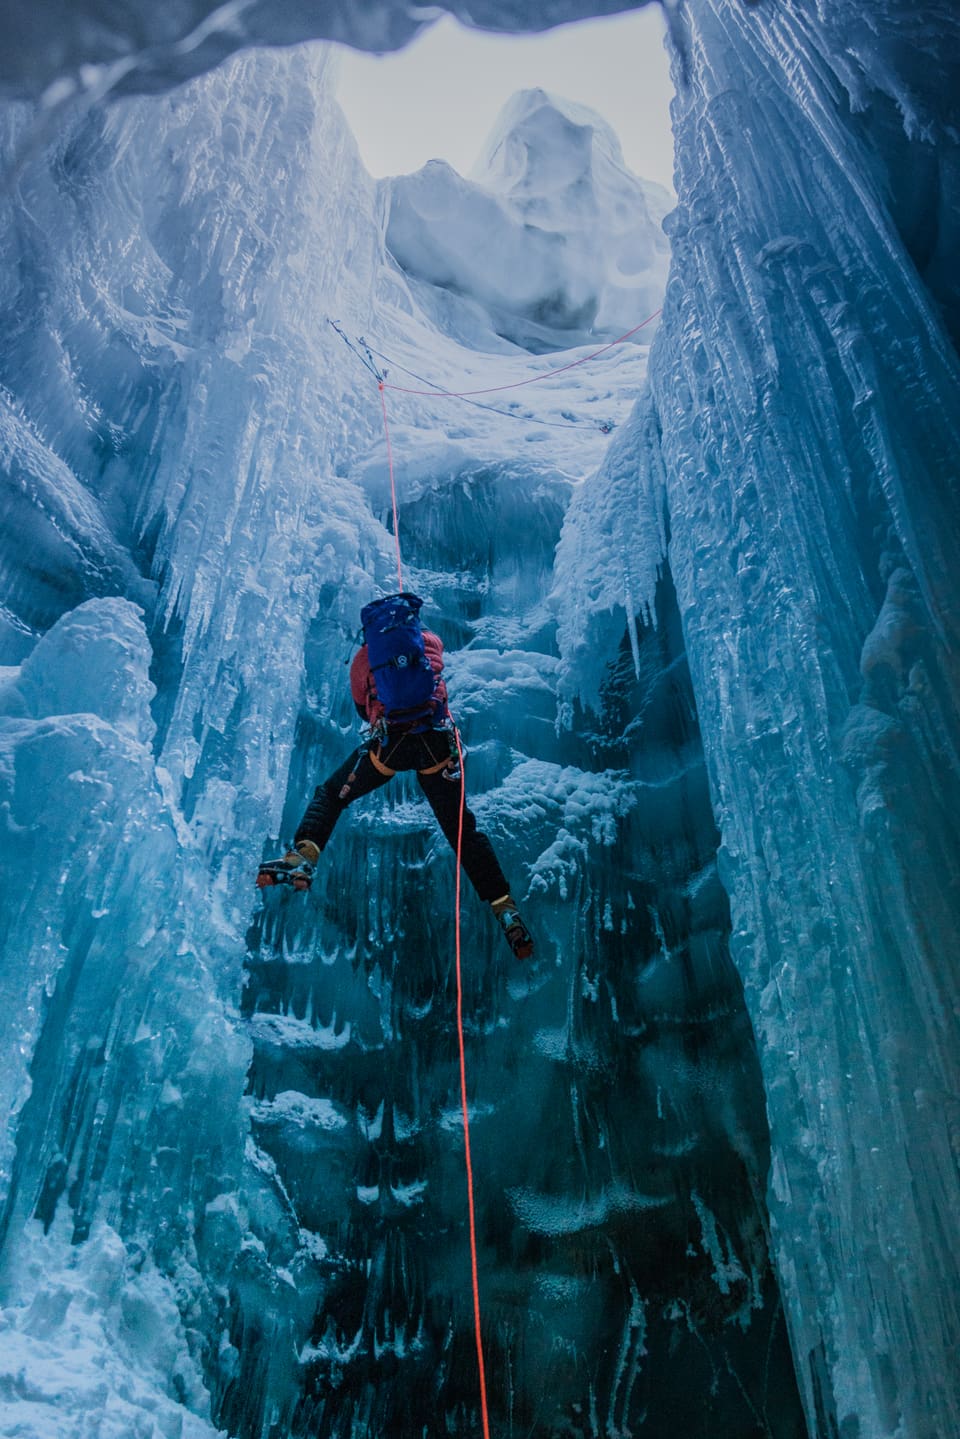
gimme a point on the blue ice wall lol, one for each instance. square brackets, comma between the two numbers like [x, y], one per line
[170, 508]
[194, 505]
[806, 392]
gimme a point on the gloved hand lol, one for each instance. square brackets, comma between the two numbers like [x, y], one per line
[374, 733]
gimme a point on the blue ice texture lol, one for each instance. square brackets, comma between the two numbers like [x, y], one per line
[700, 607]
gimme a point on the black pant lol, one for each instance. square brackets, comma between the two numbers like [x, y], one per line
[429, 755]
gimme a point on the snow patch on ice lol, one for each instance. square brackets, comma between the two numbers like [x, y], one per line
[97, 1348]
[95, 660]
[292, 1109]
[551, 1214]
[296, 1034]
[613, 544]
[561, 811]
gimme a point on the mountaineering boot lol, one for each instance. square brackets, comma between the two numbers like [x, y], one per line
[297, 867]
[519, 937]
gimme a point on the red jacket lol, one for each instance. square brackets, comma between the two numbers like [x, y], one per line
[364, 689]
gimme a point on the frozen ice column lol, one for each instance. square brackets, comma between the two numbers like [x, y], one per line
[806, 392]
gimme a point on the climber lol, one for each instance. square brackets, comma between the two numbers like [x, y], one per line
[398, 690]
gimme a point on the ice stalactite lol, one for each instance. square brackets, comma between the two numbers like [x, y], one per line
[115, 1034]
[151, 323]
[149, 453]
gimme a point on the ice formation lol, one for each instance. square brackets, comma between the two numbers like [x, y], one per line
[705, 668]
[69, 47]
[552, 238]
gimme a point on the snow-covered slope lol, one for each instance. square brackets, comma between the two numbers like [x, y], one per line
[552, 238]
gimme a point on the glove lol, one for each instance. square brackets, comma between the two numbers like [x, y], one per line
[374, 733]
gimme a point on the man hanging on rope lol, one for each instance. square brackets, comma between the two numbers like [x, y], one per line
[397, 687]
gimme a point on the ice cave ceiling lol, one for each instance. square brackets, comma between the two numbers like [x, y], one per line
[700, 606]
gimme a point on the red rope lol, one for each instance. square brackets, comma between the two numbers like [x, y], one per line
[519, 384]
[466, 1118]
[393, 487]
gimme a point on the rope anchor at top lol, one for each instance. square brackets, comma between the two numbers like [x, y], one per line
[366, 358]
[532, 379]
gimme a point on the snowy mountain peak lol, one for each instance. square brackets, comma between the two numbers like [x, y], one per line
[550, 242]
[540, 139]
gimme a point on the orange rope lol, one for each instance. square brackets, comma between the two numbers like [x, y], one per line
[519, 384]
[466, 1118]
[471, 1214]
[463, 1063]
[393, 487]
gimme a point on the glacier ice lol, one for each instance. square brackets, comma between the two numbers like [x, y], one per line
[705, 670]
[809, 443]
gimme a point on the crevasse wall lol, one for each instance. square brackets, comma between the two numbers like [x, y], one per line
[172, 434]
[806, 395]
[800, 485]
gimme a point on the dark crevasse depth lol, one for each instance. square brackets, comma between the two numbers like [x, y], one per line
[618, 1138]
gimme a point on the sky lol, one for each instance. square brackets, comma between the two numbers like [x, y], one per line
[438, 98]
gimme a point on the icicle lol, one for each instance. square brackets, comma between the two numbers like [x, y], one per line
[631, 621]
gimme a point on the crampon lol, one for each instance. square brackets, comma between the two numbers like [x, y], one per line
[517, 935]
[293, 869]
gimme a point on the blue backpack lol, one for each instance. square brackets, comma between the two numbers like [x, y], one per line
[401, 670]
